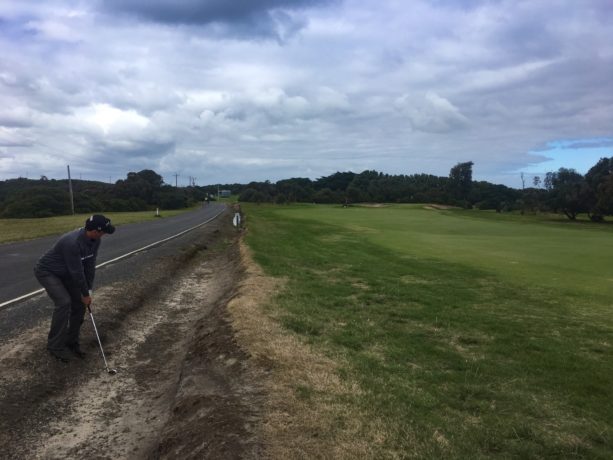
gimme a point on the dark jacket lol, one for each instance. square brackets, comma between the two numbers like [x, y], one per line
[73, 259]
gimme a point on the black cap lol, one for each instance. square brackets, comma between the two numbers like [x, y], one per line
[100, 223]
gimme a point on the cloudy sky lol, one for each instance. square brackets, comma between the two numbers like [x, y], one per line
[235, 91]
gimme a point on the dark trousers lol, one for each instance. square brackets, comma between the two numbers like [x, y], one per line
[68, 313]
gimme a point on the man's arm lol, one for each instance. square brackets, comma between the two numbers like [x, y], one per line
[72, 259]
[89, 269]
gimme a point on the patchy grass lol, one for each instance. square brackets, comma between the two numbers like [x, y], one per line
[304, 413]
[462, 336]
[27, 229]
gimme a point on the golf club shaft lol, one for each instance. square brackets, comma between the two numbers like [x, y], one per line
[98, 337]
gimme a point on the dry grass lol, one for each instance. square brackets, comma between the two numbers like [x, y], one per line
[303, 413]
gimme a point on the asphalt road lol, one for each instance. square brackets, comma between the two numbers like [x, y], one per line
[17, 259]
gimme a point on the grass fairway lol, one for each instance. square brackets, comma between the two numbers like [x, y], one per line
[471, 335]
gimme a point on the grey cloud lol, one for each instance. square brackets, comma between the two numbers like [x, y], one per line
[204, 12]
[145, 99]
[463, 4]
[239, 18]
[16, 118]
[14, 138]
[109, 151]
[607, 142]
[572, 144]
[272, 109]
[544, 30]
[526, 38]
[42, 93]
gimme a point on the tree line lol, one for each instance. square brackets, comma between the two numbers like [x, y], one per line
[564, 191]
[458, 189]
[144, 190]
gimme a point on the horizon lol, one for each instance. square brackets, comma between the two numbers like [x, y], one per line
[187, 180]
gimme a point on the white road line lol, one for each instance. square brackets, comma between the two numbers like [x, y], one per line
[23, 297]
[40, 291]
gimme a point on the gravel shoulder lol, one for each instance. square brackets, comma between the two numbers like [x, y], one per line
[183, 388]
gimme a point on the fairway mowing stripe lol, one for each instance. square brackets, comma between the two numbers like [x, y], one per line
[40, 291]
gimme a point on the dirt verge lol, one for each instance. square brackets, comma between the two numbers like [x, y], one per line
[181, 389]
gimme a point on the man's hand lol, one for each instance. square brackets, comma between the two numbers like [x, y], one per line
[87, 300]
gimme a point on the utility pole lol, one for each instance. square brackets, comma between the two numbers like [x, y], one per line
[176, 180]
[70, 190]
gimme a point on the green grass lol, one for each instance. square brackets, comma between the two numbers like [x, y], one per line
[472, 335]
[229, 199]
[27, 229]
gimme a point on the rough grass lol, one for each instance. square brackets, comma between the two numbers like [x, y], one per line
[453, 349]
[304, 416]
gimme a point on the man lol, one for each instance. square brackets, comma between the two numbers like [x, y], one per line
[67, 272]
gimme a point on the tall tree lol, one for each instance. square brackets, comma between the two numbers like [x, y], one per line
[339, 181]
[569, 192]
[295, 189]
[599, 181]
[461, 180]
[358, 189]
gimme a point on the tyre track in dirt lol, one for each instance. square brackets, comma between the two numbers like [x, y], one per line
[181, 390]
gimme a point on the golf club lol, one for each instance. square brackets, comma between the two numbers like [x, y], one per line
[110, 371]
